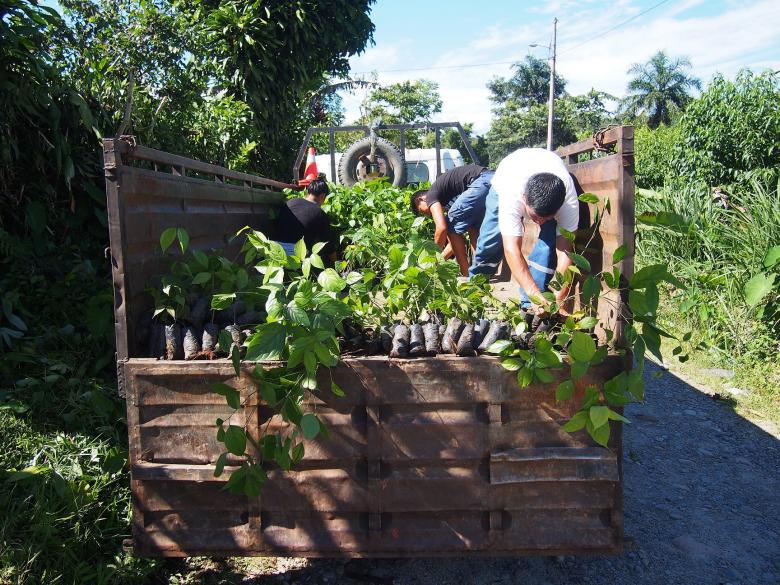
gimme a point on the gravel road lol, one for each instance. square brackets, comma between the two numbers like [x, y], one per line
[702, 505]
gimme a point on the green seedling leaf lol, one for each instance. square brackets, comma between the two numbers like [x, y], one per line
[652, 275]
[232, 396]
[588, 198]
[336, 389]
[570, 236]
[579, 369]
[499, 346]
[524, 377]
[617, 416]
[201, 258]
[619, 254]
[219, 466]
[167, 238]
[587, 323]
[652, 341]
[201, 278]
[331, 281]
[564, 391]
[512, 364]
[543, 375]
[599, 434]
[665, 219]
[222, 301]
[235, 358]
[224, 341]
[580, 261]
[582, 347]
[757, 288]
[254, 481]
[235, 440]
[300, 249]
[242, 279]
[310, 425]
[298, 452]
[267, 343]
[184, 239]
[599, 415]
[317, 248]
[577, 422]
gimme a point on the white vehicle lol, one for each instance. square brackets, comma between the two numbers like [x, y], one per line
[374, 156]
[420, 163]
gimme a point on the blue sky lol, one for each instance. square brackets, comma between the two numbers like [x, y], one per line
[598, 41]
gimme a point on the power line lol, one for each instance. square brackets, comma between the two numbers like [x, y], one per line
[435, 68]
[446, 67]
[602, 33]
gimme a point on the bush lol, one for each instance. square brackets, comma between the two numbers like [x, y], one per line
[653, 151]
[731, 130]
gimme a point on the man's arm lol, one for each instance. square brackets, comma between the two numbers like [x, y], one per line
[562, 249]
[458, 246]
[440, 235]
[513, 252]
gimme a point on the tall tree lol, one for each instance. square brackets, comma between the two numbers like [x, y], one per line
[520, 114]
[659, 89]
[407, 102]
[529, 84]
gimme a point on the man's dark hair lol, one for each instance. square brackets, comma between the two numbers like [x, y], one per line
[414, 200]
[317, 187]
[545, 193]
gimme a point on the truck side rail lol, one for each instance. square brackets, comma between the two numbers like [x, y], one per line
[149, 191]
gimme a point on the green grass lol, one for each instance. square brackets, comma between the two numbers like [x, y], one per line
[66, 505]
[723, 247]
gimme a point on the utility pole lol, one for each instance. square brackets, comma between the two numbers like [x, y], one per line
[551, 105]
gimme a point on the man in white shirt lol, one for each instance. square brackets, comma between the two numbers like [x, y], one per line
[534, 183]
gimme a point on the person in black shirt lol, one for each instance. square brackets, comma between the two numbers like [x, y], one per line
[456, 202]
[303, 217]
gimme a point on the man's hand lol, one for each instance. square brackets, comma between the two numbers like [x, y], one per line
[517, 264]
[562, 249]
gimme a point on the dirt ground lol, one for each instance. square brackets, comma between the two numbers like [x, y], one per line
[702, 506]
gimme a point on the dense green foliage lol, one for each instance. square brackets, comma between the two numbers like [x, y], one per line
[313, 313]
[654, 150]
[659, 89]
[732, 131]
[67, 82]
[715, 175]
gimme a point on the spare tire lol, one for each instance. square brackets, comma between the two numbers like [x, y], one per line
[389, 163]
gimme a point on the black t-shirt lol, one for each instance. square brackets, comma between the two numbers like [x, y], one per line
[301, 218]
[452, 183]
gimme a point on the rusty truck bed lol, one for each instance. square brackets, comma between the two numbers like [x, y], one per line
[426, 457]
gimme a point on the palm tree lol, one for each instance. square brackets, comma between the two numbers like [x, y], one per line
[659, 88]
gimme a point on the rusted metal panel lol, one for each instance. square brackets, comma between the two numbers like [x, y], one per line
[422, 472]
[143, 202]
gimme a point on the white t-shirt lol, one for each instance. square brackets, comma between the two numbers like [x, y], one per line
[511, 178]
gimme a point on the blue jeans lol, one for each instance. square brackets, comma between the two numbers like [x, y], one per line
[490, 247]
[468, 209]
[289, 247]
[542, 260]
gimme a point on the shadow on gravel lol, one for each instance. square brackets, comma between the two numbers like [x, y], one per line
[702, 506]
